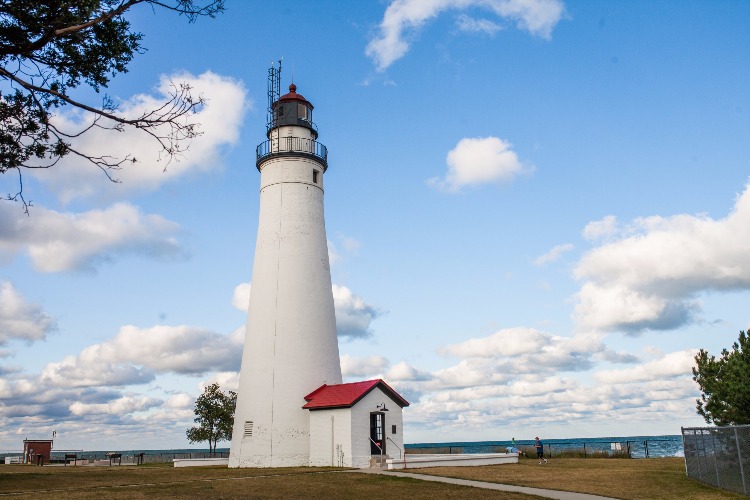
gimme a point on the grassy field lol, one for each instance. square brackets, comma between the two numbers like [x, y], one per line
[662, 478]
[165, 481]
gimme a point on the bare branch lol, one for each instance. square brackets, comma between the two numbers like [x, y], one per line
[48, 48]
[19, 195]
[104, 17]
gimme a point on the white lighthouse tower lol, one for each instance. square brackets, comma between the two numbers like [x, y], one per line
[291, 348]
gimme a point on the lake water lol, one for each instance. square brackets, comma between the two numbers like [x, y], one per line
[640, 447]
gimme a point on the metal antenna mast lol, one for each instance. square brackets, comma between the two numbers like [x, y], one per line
[274, 91]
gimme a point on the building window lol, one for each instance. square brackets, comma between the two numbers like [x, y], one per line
[248, 428]
[315, 176]
[393, 429]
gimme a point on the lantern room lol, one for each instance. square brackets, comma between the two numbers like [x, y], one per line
[292, 109]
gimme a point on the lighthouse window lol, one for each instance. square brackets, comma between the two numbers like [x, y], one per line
[315, 176]
[248, 428]
[304, 112]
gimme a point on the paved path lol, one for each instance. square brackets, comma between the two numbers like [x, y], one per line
[558, 495]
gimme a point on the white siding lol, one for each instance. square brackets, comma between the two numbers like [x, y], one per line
[331, 448]
[361, 427]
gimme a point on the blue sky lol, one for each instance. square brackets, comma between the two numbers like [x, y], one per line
[537, 212]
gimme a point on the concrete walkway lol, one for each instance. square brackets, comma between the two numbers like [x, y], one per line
[558, 495]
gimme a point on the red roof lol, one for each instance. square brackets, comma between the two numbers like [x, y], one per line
[294, 96]
[347, 395]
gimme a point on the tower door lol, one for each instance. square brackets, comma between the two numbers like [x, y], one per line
[377, 433]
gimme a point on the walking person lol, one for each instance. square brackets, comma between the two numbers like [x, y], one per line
[539, 450]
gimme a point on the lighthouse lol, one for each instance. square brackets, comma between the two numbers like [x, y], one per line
[291, 348]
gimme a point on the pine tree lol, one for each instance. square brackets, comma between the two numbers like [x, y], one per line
[725, 384]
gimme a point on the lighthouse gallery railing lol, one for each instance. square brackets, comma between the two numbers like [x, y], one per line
[292, 145]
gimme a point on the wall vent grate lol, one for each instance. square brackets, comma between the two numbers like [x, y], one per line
[248, 428]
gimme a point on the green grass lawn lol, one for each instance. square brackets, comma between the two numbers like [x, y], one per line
[662, 478]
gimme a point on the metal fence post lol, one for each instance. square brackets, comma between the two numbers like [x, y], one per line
[716, 463]
[682, 433]
[739, 459]
[704, 457]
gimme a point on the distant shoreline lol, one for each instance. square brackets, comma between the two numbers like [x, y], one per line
[660, 445]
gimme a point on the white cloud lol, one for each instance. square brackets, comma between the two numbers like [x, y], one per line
[500, 358]
[19, 319]
[529, 350]
[181, 401]
[123, 405]
[651, 276]
[333, 255]
[508, 343]
[613, 306]
[86, 370]
[351, 245]
[220, 120]
[228, 381]
[64, 241]
[674, 364]
[521, 387]
[353, 314]
[477, 161]
[538, 17]
[83, 395]
[472, 25]
[241, 296]
[403, 372]
[367, 367]
[553, 254]
[599, 229]
[136, 354]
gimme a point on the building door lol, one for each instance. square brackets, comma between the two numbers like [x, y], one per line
[377, 433]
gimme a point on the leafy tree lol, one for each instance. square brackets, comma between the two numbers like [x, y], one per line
[214, 414]
[725, 384]
[49, 48]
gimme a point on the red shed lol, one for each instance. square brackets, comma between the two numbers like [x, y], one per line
[36, 451]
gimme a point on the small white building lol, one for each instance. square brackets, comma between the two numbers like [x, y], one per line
[352, 423]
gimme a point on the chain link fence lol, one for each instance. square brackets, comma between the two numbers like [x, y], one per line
[719, 456]
[644, 447]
